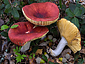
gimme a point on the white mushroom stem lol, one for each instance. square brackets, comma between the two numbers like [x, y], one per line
[25, 47]
[43, 37]
[59, 48]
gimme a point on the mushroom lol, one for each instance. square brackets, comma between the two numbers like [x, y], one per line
[41, 13]
[25, 33]
[70, 36]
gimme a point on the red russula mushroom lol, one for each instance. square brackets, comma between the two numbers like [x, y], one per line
[41, 13]
[25, 32]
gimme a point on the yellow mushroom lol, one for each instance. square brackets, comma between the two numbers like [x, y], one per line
[70, 36]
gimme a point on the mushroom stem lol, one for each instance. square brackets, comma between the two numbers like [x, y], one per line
[59, 47]
[25, 47]
[43, 37]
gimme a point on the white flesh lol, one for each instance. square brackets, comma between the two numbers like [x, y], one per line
[59, 47]
[25, 47]
[43, 37]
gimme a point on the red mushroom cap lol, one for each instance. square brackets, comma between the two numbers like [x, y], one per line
[26, 32]
[41, 13]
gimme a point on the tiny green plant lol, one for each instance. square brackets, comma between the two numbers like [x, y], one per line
[48, 39]
[45, 39]
[14, 26]
[31, 56]
[6, 27]
[75, 13]
[51, 40]
[3, 27]
[11, 8]
[44, 57]
[19, 56]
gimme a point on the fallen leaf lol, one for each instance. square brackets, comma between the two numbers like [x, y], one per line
[50, 59]
[71, 59]
[44, 43]
[12, 62]
[4, 45]
[50, 44]
[1, 22]
[57, 60]
[7, 20]
[8, 56]
[6, 62]
[82, 51]
[66, 51]
[32, 61]
[39, 51]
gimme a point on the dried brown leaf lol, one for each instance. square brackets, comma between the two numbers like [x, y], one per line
[66, 51]
[1, 22]
[39, 51]
[57, 60]
[32, 61]
[82, 51]
[50, 59]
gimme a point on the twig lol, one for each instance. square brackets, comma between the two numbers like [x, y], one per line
[10, 2]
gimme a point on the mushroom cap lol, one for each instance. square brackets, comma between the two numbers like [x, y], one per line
[26, 32]
[71, 33]
[41, 13]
